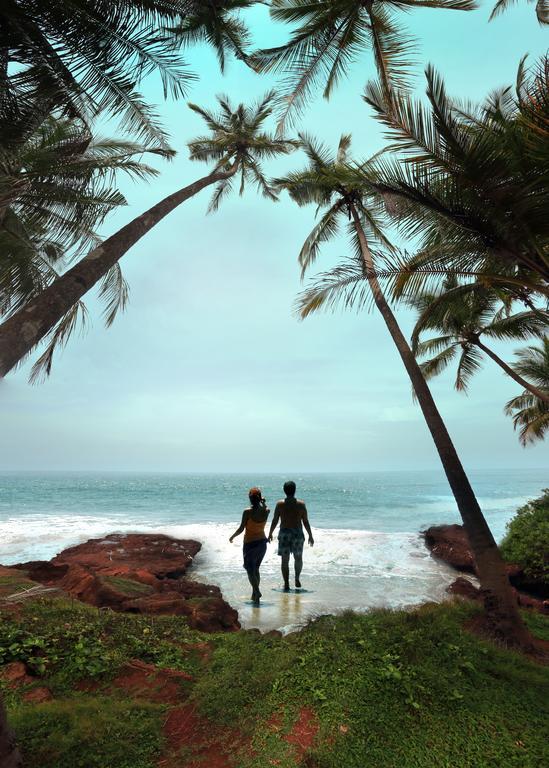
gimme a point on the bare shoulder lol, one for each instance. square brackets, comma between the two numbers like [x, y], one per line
[301, 503]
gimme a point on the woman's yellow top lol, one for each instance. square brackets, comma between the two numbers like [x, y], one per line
[254, 530]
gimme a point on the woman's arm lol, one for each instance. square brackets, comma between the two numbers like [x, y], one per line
[241, 526]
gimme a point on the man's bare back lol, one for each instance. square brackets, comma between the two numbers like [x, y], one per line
[292, 512]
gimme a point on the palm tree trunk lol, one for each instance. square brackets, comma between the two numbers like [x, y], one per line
[500, 604]
[23, 330]
[9, 754]
[539, 393]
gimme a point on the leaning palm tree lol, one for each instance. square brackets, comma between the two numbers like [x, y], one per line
[332, 34]
[56, 188]
[236, 145]
[91, 55]
[461, 324]
[530, 413]
[57, 185]
[342, 195]
[470, 184]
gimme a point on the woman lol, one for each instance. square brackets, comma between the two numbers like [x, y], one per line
[255, 541]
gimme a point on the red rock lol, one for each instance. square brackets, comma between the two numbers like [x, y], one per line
[162, 556]
[15, 673]
[464, 588]
[139, 573]
[450, 543]
[38, 695]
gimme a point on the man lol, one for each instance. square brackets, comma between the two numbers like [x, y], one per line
[292, 514]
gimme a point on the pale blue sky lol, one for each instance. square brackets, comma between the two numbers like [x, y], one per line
[208, 370]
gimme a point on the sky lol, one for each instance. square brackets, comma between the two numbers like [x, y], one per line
[209, 369]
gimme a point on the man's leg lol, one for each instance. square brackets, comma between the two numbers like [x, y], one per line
[285, 566]
[298, 566]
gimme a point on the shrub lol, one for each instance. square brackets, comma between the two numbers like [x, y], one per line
[527, 539]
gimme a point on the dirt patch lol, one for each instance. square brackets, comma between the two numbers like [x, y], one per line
[195, 742]
[303, 732]
[144, 681]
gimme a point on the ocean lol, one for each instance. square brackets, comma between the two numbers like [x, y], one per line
[368, 550]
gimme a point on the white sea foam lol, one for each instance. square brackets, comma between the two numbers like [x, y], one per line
[345, 568]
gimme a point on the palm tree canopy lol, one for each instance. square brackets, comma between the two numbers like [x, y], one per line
[334, 186]
[330, 35]
[238, 139]
[217, 22]
[460, 317]
[90, 55]
[470, 184]
[542, 9]
[530, 413]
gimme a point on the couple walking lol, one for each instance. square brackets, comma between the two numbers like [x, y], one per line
[292, 514]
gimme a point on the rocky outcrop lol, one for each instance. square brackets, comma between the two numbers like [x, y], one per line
[450, 544]
[138, 573]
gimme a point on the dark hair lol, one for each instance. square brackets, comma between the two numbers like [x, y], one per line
[254, 495]
[289, 488]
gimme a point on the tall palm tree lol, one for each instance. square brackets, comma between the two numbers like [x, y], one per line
[461, 322]
[236, 145]
[9, 754]
[470, 184]
[531, 413]
[332, 34]
[91, 55]
[542, 9]
[342, 195]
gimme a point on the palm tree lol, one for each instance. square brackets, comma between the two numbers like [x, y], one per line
[529, 412]
[542, 9]
[236, 145]
[9, 754]
[332, 34]
[56, 188]
[217, 23]
[470, 184]
[91, 55]
[461, 323]
[342, 195]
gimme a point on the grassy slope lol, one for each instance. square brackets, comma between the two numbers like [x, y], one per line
[386, 689]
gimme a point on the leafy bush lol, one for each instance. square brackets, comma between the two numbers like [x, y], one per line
[527, 539]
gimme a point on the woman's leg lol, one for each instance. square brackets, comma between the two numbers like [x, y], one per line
[254, 581]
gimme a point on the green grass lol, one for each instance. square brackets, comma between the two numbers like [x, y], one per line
[128, 586]
[88, 732]
[387, 689]
[66, 641]
[409, 689]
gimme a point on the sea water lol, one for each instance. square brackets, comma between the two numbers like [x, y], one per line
[368, 550]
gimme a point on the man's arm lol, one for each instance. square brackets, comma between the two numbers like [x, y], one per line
[241, 526]
[307, 526]
[276, 518]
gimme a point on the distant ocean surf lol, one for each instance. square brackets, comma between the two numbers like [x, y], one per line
[367, 551]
